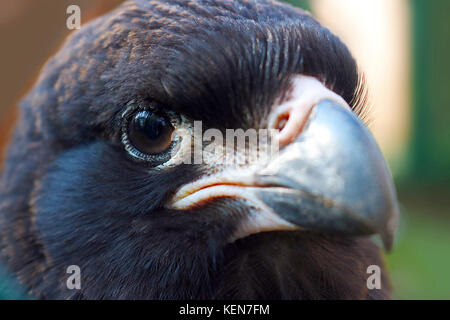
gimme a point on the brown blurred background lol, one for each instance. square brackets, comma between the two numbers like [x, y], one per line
[403, 48]
[30, 31]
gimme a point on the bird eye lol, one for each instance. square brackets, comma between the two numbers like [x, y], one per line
[150, 133]
[147, 135]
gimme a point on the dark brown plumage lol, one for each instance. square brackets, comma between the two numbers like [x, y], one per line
[70, 194]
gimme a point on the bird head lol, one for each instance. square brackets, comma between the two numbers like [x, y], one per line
[120, 163]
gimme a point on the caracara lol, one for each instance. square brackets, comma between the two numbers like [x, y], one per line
[99, 172]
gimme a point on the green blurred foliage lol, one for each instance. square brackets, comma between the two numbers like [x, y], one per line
[419, 264]
[304, 4]
[430, 147]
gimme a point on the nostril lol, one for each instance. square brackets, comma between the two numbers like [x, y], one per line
[281, 121]
[291, 116]
[290, 123]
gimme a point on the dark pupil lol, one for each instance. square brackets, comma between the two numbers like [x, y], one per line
[149, 125]
[150, 133]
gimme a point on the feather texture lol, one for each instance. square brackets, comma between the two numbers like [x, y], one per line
[70, 195]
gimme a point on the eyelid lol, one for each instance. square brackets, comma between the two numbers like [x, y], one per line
[132, 108]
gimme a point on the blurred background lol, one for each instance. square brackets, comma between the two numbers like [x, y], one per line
[402, 47]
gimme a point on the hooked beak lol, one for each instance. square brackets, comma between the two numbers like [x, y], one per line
[331, 178]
